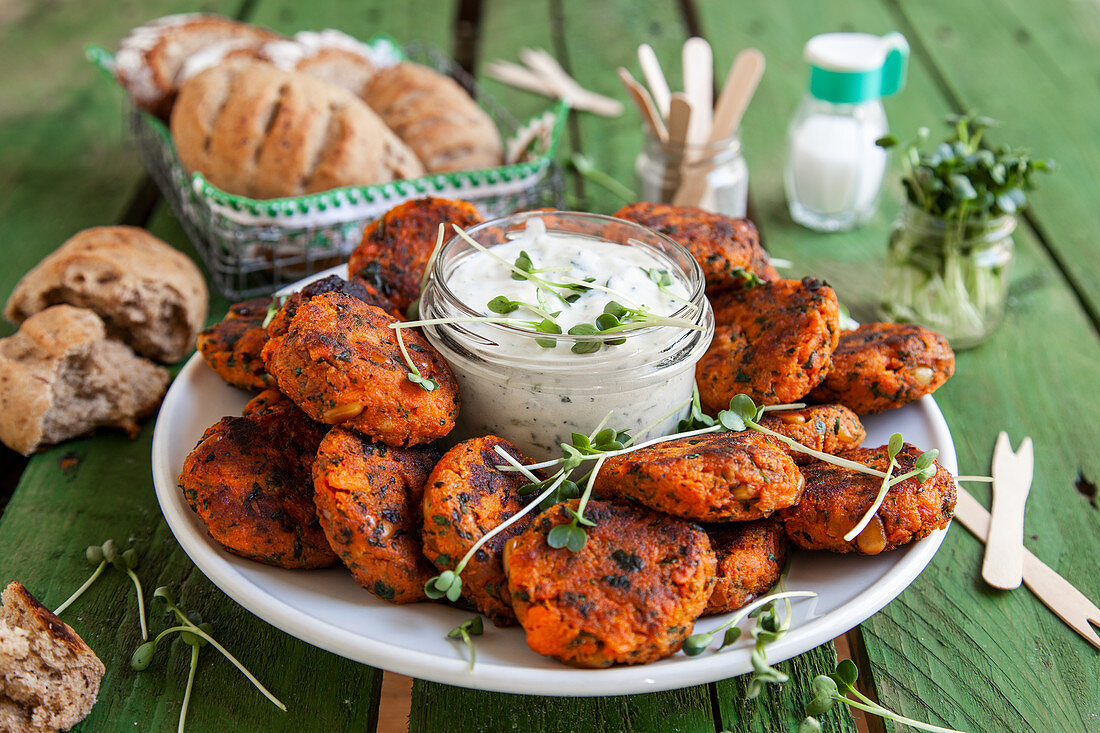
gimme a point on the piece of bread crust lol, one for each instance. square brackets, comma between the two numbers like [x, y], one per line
[328, 55]
[435, 117]
[151, 57]
[49, 677]
[60, 376]
[258, 131]
[150, 295]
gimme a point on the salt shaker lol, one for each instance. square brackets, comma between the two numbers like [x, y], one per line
[834, 169]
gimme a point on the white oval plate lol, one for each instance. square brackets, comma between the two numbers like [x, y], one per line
[327, 609]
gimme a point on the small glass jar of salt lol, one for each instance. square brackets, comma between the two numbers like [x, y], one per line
[834, 168]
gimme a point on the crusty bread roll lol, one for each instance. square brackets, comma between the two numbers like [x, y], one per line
[60, 376]
[329, 55]
[435, 117]
[151, 57]
[49, 678]
[262, 132]
[151, 296]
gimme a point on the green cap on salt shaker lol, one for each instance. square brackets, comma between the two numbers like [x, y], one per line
[848, 68]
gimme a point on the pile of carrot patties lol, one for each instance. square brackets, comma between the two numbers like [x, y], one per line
[335, 459]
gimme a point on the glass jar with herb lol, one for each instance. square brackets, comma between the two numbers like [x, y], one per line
[951, 248]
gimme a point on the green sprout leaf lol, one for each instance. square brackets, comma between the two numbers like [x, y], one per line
[502, 305]
[696, 644]
[523, 262]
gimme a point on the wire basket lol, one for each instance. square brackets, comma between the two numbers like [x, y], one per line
[253, 246]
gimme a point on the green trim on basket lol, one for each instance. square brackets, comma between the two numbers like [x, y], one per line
[351, 195]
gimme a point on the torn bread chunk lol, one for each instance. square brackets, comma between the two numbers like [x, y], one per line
[151, 296]
[49, 677]
[60, 377]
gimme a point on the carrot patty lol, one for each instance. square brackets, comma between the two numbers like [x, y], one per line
[722, 245]
[880, 366]
[331, 284]
[464, 498]
[395, 248]
[340, 362]
[837, 498]
[629, 596]
[249, 480]
[772, 342]
[727, 477]
[368, 501]
[232, 346]
[751, 556]
[825, 428]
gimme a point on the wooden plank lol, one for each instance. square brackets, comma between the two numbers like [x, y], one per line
[1040, 80]
[781, 708]
[441, 707]
[950, 650]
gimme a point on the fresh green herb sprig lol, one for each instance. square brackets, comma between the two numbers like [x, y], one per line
[196, 633]
[835, 688]
[107, 554]
[465, 631]
[696, 644]
[584, 165]
[960, 179]
[273, 307]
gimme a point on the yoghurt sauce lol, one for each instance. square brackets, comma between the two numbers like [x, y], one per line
[536, 396]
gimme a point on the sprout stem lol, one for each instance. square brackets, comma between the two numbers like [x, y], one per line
[190, 684]
[81, 589]
[854, 531]
[214, 642]
[141, 604]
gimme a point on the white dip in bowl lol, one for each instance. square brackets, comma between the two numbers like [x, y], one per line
[542, 271]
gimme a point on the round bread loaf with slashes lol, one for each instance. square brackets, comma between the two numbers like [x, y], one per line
[255, 130]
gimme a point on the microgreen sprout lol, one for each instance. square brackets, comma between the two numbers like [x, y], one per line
[835, 688]
[413, 311]
[449, 582]
[107, 554]
[663, 280]
[426, 383]
[195, 633]
[273, 308]
[584, 165]
[572, 536]
[696, 644]
[466, 630]
[748, 278]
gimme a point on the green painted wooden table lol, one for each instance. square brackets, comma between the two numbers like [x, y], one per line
[949, 650]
